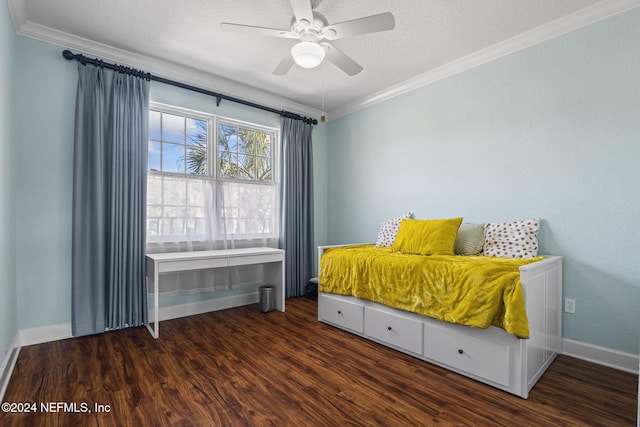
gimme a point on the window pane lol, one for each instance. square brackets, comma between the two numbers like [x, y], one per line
[175, 212]
[228, 166]
[196, 131]
[227, 138]
[173, 158]
[195, 188]
[196, 212]
[174, 192]
[172, 128]
[263, 168]
[195, 226]
[153, 227]
[177, 226]
[263, 144]
[247, 142]
[154, 190]
[154, 156]
[154, 125]
[197, 159]
[254, 148]
[246, 167]
[154, 211]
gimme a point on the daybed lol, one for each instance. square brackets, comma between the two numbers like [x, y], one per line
[479, 348]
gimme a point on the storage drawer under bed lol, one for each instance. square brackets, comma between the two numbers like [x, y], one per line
[346, 314]
[398, 331]
[483, 358]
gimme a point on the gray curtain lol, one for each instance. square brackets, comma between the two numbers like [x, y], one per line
[296, 180]
[109, 201]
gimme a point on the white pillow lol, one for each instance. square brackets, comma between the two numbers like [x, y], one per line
[389, 229]
[517, 239]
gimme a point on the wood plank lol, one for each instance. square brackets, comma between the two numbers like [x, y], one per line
[240, 367]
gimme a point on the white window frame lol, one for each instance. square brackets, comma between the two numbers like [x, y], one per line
[212, 163]
[251, 126]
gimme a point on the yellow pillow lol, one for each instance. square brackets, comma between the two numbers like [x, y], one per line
[427, 237]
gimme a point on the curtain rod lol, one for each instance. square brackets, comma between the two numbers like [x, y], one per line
[148, 76]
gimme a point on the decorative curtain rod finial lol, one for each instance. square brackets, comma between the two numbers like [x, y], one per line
[68, 55]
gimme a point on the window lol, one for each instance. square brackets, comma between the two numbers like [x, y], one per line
[244, 153]
[206, 185]
[177, 144]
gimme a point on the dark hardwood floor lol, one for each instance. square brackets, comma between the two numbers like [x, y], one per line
[240, 367]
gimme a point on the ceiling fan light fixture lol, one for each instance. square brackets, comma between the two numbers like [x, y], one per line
[307, 54]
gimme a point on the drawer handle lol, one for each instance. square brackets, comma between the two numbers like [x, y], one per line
[460, 351]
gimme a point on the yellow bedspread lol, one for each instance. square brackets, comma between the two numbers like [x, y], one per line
[476, 291]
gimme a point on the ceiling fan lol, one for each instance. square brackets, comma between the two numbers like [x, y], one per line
[314, 34]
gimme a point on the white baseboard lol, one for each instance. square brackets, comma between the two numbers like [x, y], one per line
[63, 331]
[45, 334]
[603, 356]
[200, 307]
[8, 364]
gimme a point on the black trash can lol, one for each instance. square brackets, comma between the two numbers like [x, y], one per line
[266, 299]
[311, 291]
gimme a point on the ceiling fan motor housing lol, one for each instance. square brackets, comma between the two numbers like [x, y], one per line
[312, 31]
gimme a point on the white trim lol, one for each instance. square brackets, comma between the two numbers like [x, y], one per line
[603, 356]
[17, 10]
[45, 334]
[8, 364]
[582, 18]
[184, 310]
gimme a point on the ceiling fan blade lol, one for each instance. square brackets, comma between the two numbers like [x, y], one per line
[341, 60]
[262, 31]
[369, 24]
[302, 11]
[285, 65]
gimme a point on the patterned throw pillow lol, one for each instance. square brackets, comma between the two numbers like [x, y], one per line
[518, 239]
[470, 239]
[389, 229]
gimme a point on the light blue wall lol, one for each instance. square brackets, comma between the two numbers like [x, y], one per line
[196, 101]
[552, 131]
[8, 311]
[45, 85]
[320, 187]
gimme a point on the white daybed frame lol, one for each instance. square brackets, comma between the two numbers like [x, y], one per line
[491, 355]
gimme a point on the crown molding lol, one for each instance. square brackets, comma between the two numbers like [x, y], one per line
[582, 18]
[158, 67]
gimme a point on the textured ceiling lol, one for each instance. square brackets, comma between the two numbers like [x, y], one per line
[429, 34]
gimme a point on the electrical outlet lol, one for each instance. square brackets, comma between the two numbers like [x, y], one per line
[569, 305]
